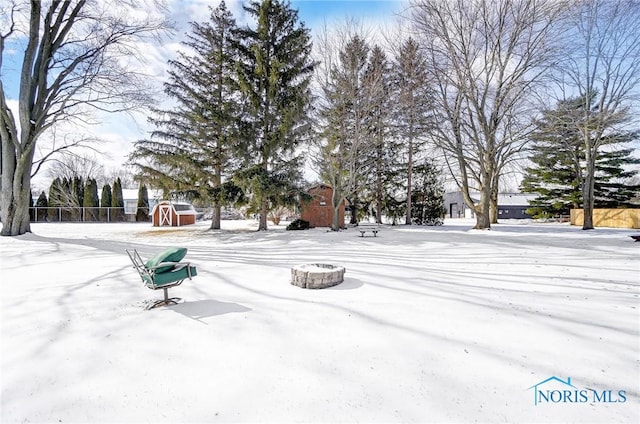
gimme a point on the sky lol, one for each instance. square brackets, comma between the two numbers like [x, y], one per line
[119, 131]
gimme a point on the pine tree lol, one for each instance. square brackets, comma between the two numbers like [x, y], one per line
[558, 165]
[42, 204]
[32, 212]
[55, 199]
[428, 195]
[378, 90]
[117, 202]
[142, 211]
[90, 200]
[275, 69]
[614, 187]
[412, 114]
[76, 197]
[66, 199]
[192, 150]
[105, 203]
[342, 126]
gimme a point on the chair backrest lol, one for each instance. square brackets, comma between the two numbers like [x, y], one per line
[138, 264]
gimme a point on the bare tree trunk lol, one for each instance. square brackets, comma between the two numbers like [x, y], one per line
[16, 189]
[407, 219]
[379, 185]
[336, 202]
[264, 210]
[483, 216]
[587, 192]
[215, 217]
[354, 210]
[493, 204]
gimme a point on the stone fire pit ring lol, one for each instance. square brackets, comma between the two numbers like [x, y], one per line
[317, 276]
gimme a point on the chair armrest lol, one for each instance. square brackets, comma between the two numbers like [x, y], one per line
[163, 265]
[180, 265]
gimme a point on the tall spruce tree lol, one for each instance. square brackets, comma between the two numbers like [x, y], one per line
[90, 200]
[192, 150]
[428, 195]
[41, 207]
[274, 72]
[32, 212]
[558, 169]
[377, 84]
[105, 203]
[55, 199]
[342, 123]
[142, 211]
[67, 199]
[412, 116]
[75, 197]
[117, 202]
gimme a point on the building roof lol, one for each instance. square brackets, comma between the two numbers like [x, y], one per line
[504, 199]
[515, 199]
[132, 193]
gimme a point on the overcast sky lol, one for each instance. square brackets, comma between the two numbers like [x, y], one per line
[120, 131]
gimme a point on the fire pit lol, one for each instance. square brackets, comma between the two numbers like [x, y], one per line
[316, 276]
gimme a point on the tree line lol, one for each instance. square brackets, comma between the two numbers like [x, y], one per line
[470, 85]
[74, 200]
[243, 114]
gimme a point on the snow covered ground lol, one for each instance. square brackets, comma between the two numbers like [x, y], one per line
[432, 324]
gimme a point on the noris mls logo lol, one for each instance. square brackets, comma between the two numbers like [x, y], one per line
[556, 390]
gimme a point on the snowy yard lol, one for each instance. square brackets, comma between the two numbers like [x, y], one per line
[432, 324]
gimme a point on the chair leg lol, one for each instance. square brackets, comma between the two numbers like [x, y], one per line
[166, 301]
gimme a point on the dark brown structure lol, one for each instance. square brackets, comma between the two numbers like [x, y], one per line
[319, 212]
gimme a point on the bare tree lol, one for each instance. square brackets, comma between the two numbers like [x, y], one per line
[77, 58]
[603, 66]
[485, 58]
[75, 165]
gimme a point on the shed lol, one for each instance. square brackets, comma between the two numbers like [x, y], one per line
[173, 214]
[514, 205]
[510, 205]
[319, 212]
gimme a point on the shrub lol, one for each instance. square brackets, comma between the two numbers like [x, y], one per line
[298, 224]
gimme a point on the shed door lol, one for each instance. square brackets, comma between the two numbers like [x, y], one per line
[453, 210]
[165, 215]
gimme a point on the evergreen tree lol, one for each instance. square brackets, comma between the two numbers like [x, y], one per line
[558, 165]
[66, 199]
[411, 111]
[275, 69]
[377, 84]
[31, 209]
[55, 200]
[192, 150]
[105, 203]
[428, 195]
[342, 126]
[42, 204]
[117, 202]
[142, 211]
[76, 197]
[90, 201]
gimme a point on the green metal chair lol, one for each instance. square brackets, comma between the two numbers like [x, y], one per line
[163, 271]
